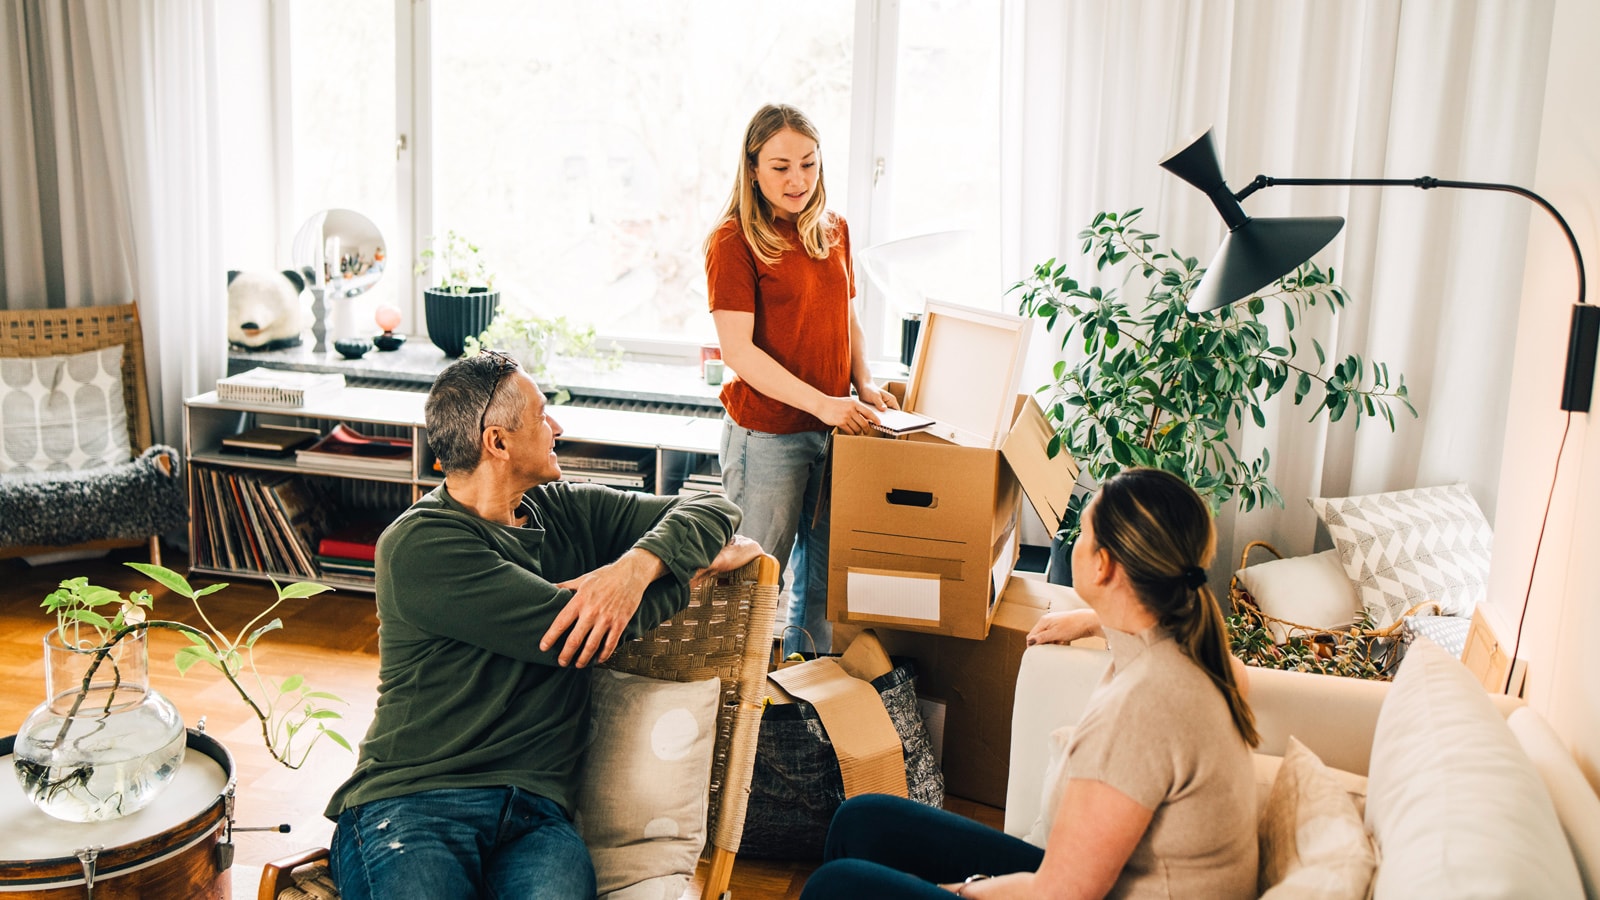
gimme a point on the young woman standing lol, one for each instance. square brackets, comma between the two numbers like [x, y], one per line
[781, 286]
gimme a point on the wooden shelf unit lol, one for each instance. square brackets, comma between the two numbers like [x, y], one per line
[676, 445]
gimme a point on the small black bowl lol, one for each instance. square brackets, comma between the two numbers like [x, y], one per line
[352, 348]
[389, 340]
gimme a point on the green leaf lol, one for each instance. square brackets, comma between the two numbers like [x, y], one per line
[302, 589]
[169, 579]
[338, 738]
[292, 683]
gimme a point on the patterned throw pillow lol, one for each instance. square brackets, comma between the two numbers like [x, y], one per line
[1449, 632]
[1405, 547]
[63, 413]
[645, 782]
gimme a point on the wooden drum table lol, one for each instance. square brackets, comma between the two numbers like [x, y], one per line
[180, 846]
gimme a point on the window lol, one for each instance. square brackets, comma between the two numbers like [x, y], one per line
[590, 147]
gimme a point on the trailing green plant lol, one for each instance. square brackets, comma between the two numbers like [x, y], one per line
[457, 264]
[287, 709]
[1351, 653]
[1161, 386]
[534, 339]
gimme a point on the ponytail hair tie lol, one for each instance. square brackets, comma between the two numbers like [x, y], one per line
[1193, 577]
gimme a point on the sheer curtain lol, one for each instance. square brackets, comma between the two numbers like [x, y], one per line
[1102, 89]
[108, 177]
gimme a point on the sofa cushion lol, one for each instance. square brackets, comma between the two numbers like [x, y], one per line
[1307, 590]
[1576, 804]
[63, 413]
[1406, 547]
[1453, 802]
[644, 783]
[1313, 844]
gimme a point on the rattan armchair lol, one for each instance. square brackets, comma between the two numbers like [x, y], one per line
[724, 632]
[30, 333]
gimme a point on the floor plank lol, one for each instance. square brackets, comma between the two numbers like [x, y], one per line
[332, 640]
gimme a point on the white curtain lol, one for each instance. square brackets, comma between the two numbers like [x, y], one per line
[108, 177]
[1297, 88]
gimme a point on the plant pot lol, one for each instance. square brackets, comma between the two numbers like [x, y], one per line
[1059, 570]
[89, 756]
[452, 318]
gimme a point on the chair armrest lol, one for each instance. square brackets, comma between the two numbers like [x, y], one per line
[1053, 686]
[278, 876]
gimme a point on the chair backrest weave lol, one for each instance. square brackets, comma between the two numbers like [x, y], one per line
[31, 333]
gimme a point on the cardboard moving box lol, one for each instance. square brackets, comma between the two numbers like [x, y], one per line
[924, 531]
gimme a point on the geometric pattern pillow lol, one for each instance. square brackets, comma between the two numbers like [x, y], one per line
[1405, 547]
[1449, 632]
[63, 413]
[645, 782]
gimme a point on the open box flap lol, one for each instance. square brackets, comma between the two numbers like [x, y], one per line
[1047, 482]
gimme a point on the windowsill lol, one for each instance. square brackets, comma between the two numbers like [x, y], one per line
[418, 362]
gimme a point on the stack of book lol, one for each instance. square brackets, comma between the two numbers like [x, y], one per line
[705, 479]
[278, 387]
[349, 550]
[270, 440]
[346, 450]
[624, 467]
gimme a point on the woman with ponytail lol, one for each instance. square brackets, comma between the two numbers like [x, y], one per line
[1158, 793]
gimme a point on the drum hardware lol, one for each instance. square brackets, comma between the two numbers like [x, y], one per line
[87, 856]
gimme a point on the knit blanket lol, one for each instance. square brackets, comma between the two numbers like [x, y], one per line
[134, 500]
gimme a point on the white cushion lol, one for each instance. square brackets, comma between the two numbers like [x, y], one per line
[1306, 590]
[1313, 844]
[644, 783]
[1453, 802]
[1406, 547]
[1576, 803]
[1052, 787]
[63, 413]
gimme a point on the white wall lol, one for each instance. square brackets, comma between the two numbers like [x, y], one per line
[1563, 615]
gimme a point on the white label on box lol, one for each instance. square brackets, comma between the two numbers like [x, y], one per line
[898, 595]
[1002, 566]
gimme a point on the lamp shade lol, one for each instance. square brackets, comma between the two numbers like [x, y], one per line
[1257, 253]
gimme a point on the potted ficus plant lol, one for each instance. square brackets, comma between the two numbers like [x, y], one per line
[462, 300]
[1160, 386]
[103, 743]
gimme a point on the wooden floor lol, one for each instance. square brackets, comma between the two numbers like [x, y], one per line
[331, 640]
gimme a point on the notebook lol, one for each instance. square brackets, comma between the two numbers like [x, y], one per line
[898, 421]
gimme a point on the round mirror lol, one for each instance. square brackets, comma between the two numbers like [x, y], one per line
[344, 256]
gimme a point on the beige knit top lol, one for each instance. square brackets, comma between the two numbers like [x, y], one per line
[1158, 730]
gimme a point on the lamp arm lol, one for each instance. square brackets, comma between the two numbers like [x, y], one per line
[1426, 182]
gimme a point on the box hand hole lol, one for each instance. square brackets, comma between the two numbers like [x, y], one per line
[899, 497]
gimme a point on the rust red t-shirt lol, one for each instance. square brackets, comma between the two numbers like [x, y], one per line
[802, 310]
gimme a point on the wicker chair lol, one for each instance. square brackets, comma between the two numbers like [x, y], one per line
[710, 637]
[57, 332]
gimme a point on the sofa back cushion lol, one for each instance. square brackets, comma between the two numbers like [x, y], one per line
[1453, 803]
[1576, 803]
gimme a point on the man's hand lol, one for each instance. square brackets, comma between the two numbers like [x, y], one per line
[1064, 626]
[738, 551]
[602, 604]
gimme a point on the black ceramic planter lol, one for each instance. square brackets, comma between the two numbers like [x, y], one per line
[453, 317]
[1060, 569]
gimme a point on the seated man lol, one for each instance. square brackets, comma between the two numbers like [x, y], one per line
[494, 592]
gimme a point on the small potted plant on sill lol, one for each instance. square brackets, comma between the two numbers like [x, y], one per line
[1161, 386]
[463, 300]
[535, 340]
[104, 744]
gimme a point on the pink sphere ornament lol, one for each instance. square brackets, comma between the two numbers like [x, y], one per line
[388, 318]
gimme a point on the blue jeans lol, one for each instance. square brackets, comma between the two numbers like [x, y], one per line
[776, 479]
[891, 848]
[460, 843]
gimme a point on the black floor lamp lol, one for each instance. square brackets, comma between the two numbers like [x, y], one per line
[1257, 252]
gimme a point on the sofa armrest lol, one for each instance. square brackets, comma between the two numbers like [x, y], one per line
[1053, 686]
[1335, 717]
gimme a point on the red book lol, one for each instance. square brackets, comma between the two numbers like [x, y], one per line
[354, 540]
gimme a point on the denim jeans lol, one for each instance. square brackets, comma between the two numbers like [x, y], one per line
[776, 479]
[890, 848]
[460, 843]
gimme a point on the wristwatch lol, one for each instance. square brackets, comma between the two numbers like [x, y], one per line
[961, 891]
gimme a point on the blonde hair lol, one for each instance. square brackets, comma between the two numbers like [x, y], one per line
[1159, 530]
[746, 205]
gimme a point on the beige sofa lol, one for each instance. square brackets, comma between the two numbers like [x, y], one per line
[1451, 780]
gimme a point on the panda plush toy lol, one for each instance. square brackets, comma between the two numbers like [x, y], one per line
[265, 309]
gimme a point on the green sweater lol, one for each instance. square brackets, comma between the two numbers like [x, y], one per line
[465, 697]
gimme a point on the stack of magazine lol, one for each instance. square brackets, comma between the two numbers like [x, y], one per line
[346, 450]
[632, 468]
[278, 387]
[705, 479]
